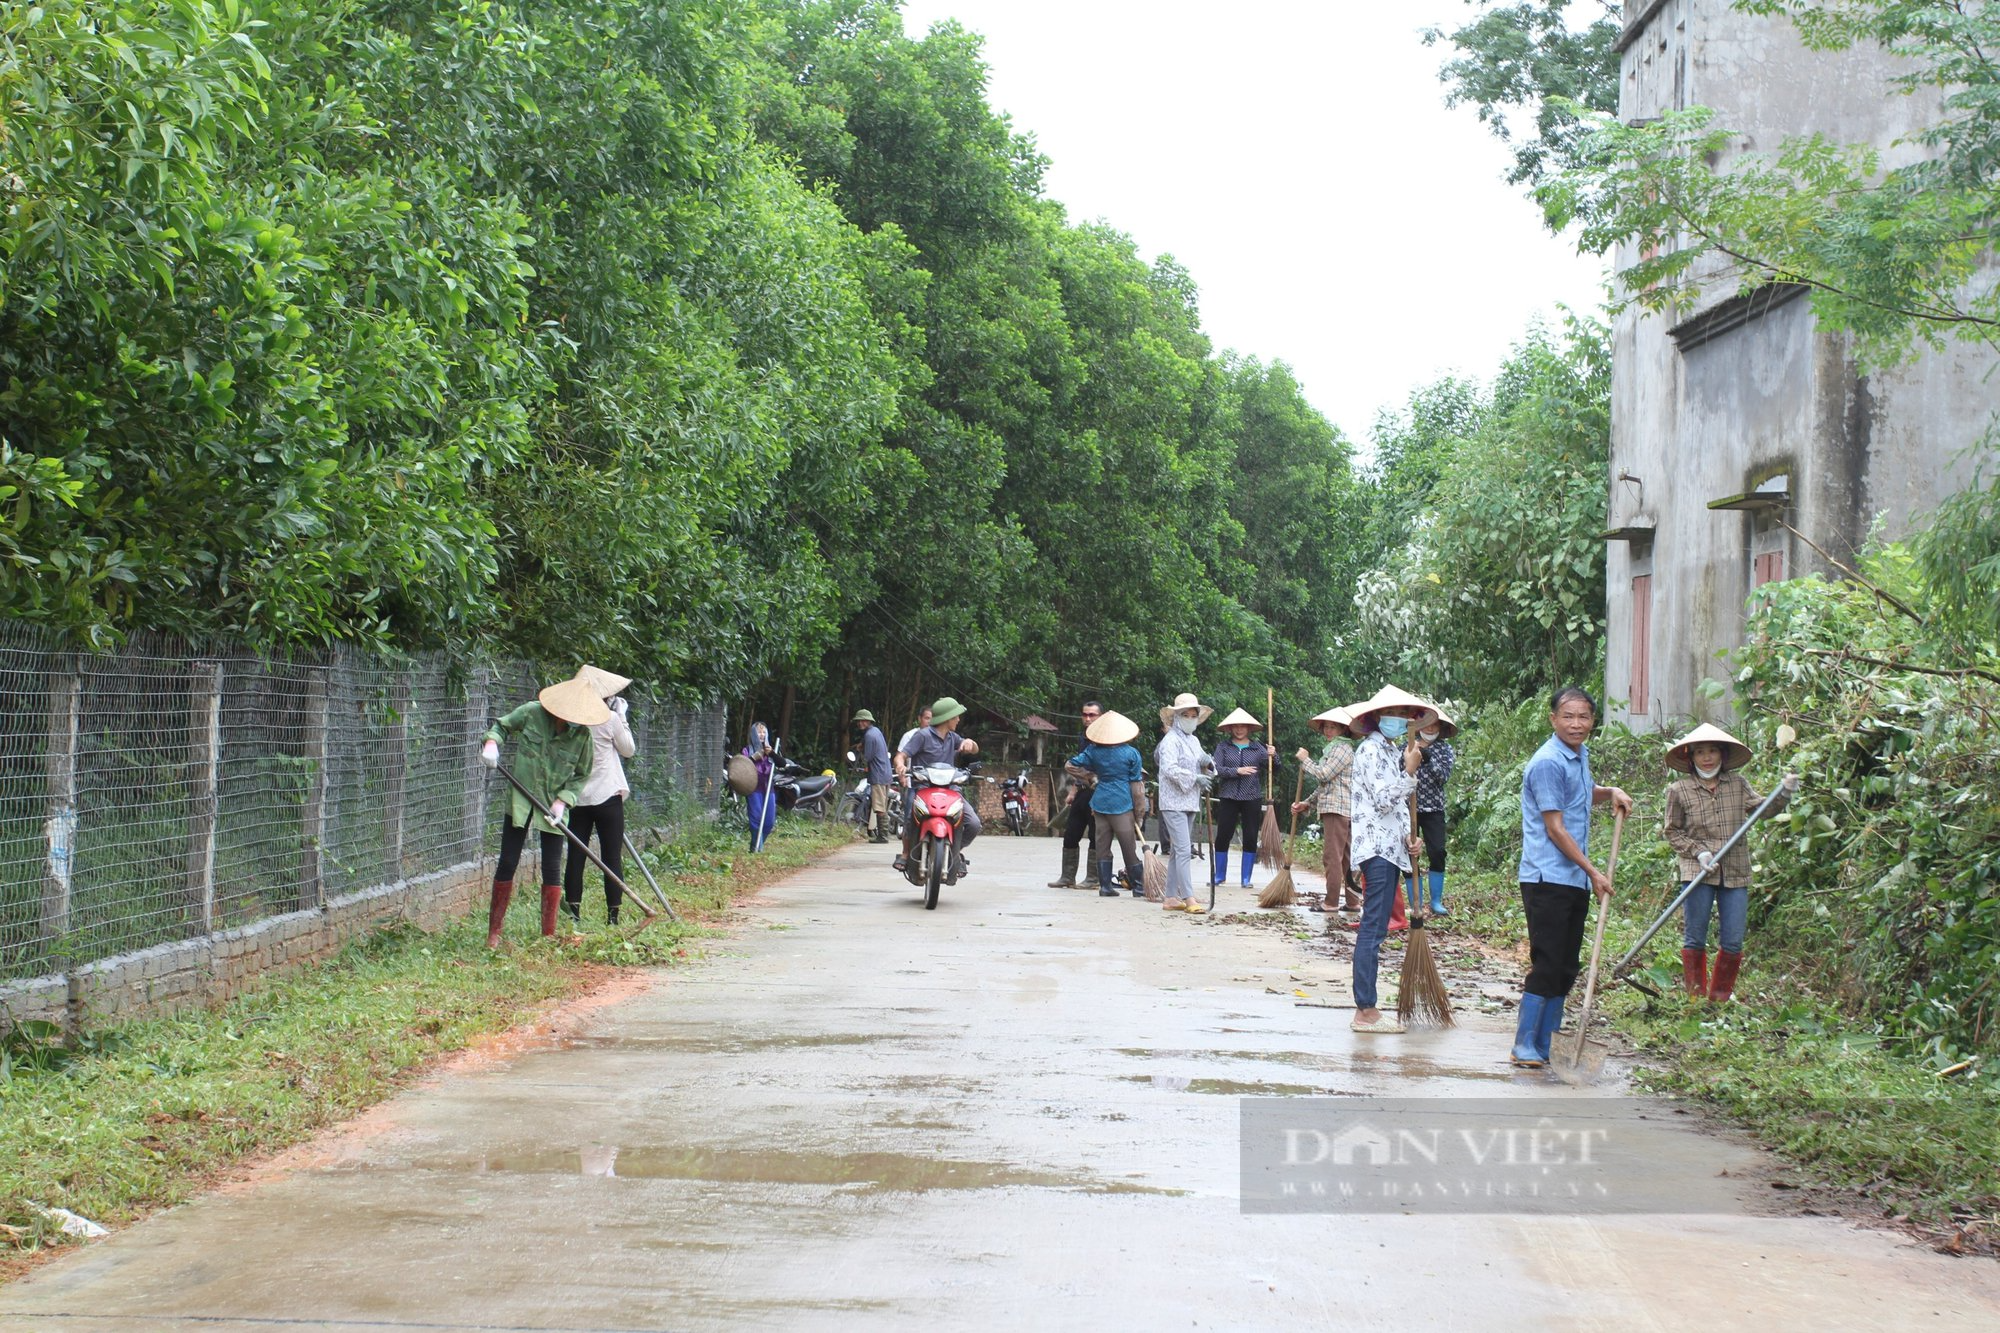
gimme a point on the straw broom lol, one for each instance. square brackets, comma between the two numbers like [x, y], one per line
[1154, 878]
[1278, 893]
[1267, 837]
[1421, 999]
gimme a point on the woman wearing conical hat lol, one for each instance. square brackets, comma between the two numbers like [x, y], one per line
[1184, 770]
[1703, 809]
[1333, 771]
[600, 807]
[1116, 799]
[1385, 777]
[550, 754]
[1240, 766]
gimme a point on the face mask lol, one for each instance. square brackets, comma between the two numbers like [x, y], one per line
[1427, 736]
[1394, 727]
[1186, 725]
[1707, 772]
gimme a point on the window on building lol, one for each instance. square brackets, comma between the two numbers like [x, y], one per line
[1768, 568]
[1642, 644]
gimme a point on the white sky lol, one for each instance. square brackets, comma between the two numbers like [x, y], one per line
[1297, 158]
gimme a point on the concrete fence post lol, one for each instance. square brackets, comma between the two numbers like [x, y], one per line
[318, 708]
[59, 828]
[478, 703]
[395, 775]
[204, 790]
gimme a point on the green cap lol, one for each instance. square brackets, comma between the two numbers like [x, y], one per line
[945, 709]
[863, 716]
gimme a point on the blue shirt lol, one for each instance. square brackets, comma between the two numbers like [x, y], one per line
[875, 754]
[1116, 766]
[1557, 778]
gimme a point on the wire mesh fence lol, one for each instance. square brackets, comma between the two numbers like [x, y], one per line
[152, 795]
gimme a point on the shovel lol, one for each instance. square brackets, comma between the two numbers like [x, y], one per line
[1577, 1057]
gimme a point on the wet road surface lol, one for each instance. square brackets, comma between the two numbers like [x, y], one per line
[1021, 1110]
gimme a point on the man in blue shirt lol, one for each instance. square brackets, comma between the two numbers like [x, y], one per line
[875, 754]
[1557, 876]
[938, 743]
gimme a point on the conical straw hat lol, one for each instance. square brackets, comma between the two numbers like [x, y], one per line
[606, 683]
[1735, 753]
[1446, 727]
[1185, 701]
[1340, 717]
[575, 703]
[1239, 718]
[1112, 729]
[1391, 696]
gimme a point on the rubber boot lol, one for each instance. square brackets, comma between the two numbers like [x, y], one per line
[1249, 863]
[573, 907]
[1398, 918]
[1526, 1054]
[1105, 887]
[496, 914]
[1694, 971]
[1437, 892]
[1136, 882]
[610, 914]
[1218, 866]
[551, 897]
[1723, 984]
[1545, 1034]
[1067, 880]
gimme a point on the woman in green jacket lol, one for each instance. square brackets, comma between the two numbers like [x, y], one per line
[551, 757]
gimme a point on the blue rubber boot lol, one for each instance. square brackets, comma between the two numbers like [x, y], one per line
[1218, 866]
[1107, 887]
[1526, 1053]
[1437, 893]
[1545, 1034]
[1249, 860]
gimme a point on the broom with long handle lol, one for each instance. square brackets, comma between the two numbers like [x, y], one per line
[1421, 999]
[1214, 867]
[1268, 835]
[1278, 893]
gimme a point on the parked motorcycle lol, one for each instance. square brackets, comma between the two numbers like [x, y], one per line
[855, 805]
[938, 806]
[800, 789]
[1014, 802]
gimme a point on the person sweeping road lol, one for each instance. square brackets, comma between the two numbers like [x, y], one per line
[600, 806]
[551, 756]
[1432, 774]
[1334, 772]
[1556, 874]
[1703, 810]
[1385, 777]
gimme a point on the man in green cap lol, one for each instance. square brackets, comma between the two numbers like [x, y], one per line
[939, 743]
[875, 754]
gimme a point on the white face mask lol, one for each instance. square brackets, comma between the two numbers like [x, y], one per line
[1186, 725]
[1707, 772]
[1427, 736]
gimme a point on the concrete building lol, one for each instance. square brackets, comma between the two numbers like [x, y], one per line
[1736, 417]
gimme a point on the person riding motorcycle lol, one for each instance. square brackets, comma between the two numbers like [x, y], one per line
[938, 743]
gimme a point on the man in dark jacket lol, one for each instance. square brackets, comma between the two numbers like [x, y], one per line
[1078, 824]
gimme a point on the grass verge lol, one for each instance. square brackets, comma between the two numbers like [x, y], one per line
[142, 1116]
[1854, 1115]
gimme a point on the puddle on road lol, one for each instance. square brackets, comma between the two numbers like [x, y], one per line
[713, 1043]
[1362, 1062]
[871, 1172]
[1226, 1087]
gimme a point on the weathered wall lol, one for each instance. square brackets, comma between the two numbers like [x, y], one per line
[1773, 395]
[219, 967]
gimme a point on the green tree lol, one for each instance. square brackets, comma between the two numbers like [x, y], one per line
[1529, 57]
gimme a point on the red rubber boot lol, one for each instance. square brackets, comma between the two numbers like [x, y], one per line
[496, 913]
[1398, 918]
[1694, 971]
[1723, 984]
[551, 900]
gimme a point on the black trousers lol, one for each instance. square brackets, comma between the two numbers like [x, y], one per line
[1227, 815]
[1556, 917]
[1079, 825]
[607, 820]
[513, 839]
[1431, 824]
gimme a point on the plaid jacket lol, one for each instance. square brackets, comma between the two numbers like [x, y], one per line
[1334, 772]
[1438, 760]
[1700, 820]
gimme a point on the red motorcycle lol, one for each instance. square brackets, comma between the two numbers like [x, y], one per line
[938, 807]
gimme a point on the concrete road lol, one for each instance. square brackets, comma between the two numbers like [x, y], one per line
[1022, 1110]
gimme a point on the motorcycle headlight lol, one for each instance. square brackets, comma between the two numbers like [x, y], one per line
[954, 810]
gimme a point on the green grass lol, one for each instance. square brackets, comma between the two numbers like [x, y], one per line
[1846, 1106]
[140, 1116]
